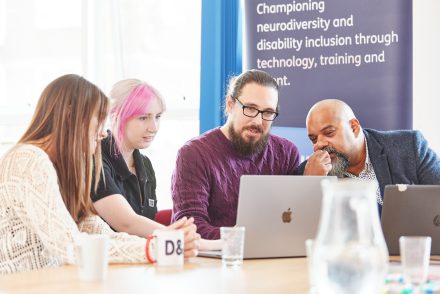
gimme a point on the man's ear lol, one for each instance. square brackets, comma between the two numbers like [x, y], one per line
[229, 103]
[355, 126]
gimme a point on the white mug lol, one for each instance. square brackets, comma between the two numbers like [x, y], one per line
[168, 247]
[92, 256]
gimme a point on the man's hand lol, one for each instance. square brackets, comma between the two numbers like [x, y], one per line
[318, 164]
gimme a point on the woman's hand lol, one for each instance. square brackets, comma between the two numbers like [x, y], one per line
[191, 237]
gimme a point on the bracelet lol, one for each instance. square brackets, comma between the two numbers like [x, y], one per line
[147, 249]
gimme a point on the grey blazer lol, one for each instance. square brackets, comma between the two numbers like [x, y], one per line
[400, 157]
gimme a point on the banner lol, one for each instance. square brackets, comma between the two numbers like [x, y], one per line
[356, 51]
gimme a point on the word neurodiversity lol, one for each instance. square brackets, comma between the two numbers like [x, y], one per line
[293, 24]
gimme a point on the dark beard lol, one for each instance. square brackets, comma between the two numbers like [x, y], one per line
[247, 148]
[340, 164]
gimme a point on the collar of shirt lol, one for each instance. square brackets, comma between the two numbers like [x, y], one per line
[118, 162]
[368, 168]
[368, 174]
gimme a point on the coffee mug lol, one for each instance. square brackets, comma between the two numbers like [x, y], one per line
[168, 247]
[92, 256]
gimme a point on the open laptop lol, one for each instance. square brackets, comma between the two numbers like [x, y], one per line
[279, 213]
[411, 210]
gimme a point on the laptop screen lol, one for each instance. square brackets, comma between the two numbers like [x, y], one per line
[279, 213]
[411, 210]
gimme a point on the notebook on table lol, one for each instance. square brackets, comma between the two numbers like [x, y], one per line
[411, 210]
[279, 213]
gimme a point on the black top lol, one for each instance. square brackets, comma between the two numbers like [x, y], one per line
[140, 191]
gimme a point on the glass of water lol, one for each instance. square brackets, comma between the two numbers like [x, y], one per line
[232, 245]
[415, 252]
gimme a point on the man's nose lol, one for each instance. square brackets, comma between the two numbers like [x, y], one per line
[320, 143]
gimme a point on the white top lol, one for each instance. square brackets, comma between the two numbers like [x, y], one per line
[368, 174]
[36, 229]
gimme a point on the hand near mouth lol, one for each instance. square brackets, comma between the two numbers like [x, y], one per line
[318, 164]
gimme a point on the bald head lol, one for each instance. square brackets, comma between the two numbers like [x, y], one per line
[337, 109]
[333, 127]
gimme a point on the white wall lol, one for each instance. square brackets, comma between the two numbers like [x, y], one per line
[426, 71]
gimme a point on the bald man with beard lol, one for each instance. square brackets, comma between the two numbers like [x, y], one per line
[342, 148]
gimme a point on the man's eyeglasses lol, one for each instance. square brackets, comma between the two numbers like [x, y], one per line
[250, 111]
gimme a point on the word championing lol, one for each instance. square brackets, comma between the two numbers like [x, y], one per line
[288, 8]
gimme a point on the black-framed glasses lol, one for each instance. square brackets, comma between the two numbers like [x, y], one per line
[250, 111]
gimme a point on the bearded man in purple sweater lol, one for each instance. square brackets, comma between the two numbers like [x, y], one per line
[206, 179]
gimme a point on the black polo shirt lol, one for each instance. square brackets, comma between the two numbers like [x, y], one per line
[140, 190]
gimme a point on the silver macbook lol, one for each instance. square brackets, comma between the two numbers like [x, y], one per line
[411, 210]
[279, 213]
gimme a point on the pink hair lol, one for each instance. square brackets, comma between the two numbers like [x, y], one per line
[134, 105]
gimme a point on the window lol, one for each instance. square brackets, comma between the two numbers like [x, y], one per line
[105, 41]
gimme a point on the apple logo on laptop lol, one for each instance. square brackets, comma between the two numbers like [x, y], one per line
[287, 216]
[437, 220]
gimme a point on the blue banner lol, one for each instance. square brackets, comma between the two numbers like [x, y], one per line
[356, 51]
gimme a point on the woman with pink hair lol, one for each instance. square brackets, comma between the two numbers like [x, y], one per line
[126, 195]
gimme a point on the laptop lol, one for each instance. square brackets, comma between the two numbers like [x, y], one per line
[411, 210]
[279, 214]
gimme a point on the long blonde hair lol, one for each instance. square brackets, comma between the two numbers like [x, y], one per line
[62, 121]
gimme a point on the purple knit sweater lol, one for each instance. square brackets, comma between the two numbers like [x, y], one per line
[206, 180]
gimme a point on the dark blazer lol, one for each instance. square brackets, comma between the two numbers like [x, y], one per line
[400, 157]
